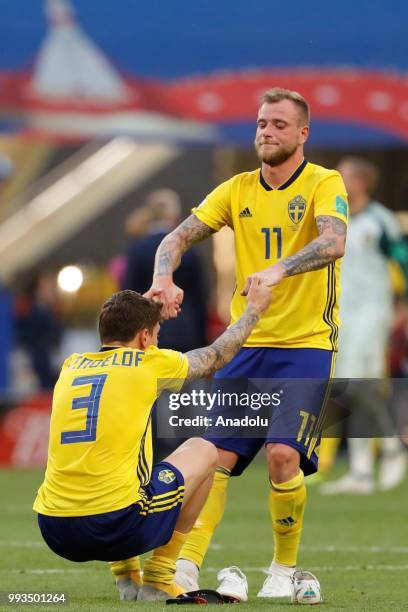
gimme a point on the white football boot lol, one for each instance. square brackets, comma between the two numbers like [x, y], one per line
[349, 483]
[150, 593]
[233, 583]
[128, 588]
[279, 582]
[392, 470]
[187, 574]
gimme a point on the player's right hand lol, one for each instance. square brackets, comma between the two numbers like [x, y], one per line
[259, 295]
[166, 291]
[271, 276]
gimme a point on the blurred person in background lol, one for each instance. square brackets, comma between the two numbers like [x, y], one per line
[148, 225]
[374, 239]
[137, 224]
[399, 340]
[39, 327]
[399, 365]
[7, 339]
[6, 172]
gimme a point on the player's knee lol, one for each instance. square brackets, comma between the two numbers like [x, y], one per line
[227, 459]
[213, 454]
[280, 458]
[207, 450]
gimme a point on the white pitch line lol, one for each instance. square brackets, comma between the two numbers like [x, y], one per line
[46, 571]
[214, 570]
[331, 548]
[325, 568]
[22, 543]
[368, 549]
[401, 550]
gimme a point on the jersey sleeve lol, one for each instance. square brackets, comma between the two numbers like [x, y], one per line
[173, 370]
[331, 198]
[215, 209]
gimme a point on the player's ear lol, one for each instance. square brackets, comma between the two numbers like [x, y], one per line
[144, 338]
[304, 134]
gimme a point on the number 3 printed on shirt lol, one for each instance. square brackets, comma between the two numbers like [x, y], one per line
[91, 403]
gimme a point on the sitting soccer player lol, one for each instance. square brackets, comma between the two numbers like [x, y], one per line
[101, 498]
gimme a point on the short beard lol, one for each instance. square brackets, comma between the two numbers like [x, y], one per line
[277, 158]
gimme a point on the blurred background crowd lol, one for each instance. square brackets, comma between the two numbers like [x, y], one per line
[110, 135]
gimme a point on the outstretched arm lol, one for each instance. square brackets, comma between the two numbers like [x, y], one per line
[327, 247]
[205, 361]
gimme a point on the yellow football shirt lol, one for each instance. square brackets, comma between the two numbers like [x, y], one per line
[100, 447]
[269, 225]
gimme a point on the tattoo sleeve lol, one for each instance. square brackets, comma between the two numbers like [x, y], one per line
[322, 250]
[205, 361]
[172, 247]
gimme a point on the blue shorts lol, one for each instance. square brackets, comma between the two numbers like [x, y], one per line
[299, 414]
[121, 534]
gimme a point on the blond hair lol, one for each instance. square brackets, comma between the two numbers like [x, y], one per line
[277, 94]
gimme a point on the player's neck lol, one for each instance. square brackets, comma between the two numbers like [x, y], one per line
[133, 344]
[276, 176]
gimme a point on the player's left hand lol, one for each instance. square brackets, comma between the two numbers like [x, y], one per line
[271, 276]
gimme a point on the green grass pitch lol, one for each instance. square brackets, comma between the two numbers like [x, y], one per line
[357, 546]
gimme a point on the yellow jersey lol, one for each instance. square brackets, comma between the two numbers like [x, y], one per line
[269, 225]
[100, 447]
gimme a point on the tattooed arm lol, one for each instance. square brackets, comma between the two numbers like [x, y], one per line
[167, 260]
[321, 251]
[172, 247]
[205, 361]
[324, 249]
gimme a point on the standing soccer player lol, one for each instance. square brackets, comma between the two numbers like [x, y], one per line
[289, 219]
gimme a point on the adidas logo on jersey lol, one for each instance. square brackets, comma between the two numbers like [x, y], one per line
[245, 213]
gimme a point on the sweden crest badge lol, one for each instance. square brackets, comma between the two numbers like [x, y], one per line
[297, 208]
[166, 476]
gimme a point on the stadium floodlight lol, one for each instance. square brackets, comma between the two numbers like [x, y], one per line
[70, 279]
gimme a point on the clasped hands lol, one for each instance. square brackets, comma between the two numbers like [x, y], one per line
[164, 289]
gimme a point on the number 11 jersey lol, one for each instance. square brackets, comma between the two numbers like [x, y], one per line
[269, 225]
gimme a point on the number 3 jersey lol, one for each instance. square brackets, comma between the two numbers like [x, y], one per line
[100, 447]
[269, 225]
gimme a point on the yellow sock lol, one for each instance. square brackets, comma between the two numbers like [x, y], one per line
[328, 453]
[159, 570]
[128, 567]
[287, 502]
[200, 536]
